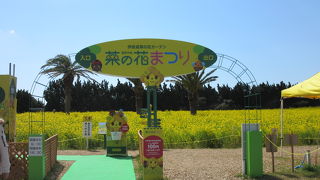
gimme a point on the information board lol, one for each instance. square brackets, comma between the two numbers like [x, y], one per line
[35, 146]
[102, 128]
[87, 129]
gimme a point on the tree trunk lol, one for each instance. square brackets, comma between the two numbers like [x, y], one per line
[138, 93]
[193, 102]
[67, 94]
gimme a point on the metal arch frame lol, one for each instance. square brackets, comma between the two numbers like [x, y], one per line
[34, 85]
[218, 65]
[234, 63]
[36, 82]
[33, 109]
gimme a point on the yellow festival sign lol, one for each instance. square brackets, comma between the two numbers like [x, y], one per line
[8, 104]
[134, 57]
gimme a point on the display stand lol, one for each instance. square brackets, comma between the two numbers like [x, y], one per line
[117, 128]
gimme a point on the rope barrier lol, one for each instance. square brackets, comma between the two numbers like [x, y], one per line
[287, 152]
[207, 140]
[310, 138]
[200, 140]
[97, 139]
[182, 142]
[68, 140]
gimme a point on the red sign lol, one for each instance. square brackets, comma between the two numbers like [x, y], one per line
[153, 147]
[124, 128]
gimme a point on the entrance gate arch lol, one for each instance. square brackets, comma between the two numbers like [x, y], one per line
[235, 68]
[224, 62]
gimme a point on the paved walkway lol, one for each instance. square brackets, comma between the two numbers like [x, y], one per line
[98, 167]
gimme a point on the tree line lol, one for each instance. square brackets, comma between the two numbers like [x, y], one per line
[94, 96]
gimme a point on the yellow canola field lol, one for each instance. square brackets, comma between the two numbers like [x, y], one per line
[213, 128]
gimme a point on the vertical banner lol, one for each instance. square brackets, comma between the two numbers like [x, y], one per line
[153, 152]
[8, 104]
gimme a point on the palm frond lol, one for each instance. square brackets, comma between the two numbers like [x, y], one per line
[209, 74]
[193, 82]
[62, 65]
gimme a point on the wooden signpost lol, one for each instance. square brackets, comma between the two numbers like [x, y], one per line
[270, 146]
[87, 129]
[291, 139]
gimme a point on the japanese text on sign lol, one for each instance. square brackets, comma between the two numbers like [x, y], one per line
[153, 147]
[87, 129]
[113, 58]
[35, 146]
[131, 58]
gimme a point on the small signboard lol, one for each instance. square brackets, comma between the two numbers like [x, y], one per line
[153, 147]
[35, 146]
[102, 128]
[291, 139]
[270, 147]
[87, 129]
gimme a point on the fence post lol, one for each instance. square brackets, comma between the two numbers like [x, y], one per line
[308, 158]
[50, 153]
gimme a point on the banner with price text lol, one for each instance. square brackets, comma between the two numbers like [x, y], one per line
[153, 152]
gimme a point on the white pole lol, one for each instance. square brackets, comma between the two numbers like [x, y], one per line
[281, 125]
[87, 142]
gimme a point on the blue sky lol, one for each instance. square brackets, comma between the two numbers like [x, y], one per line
[276, 40]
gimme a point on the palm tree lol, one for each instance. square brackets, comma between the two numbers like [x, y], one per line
[138, 93]
[193, 83]
[62, 65]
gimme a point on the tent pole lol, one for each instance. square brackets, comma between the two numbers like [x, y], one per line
[281, 125]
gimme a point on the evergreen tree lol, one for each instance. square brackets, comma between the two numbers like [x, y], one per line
[25, 101]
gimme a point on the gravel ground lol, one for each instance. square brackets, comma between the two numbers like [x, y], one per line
[185, 164]
[202, 163]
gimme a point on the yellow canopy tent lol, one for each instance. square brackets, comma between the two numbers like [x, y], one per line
[309, 88]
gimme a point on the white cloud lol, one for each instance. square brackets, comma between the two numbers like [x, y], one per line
[12, 31]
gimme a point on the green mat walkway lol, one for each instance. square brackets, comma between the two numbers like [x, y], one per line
[98, 167]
